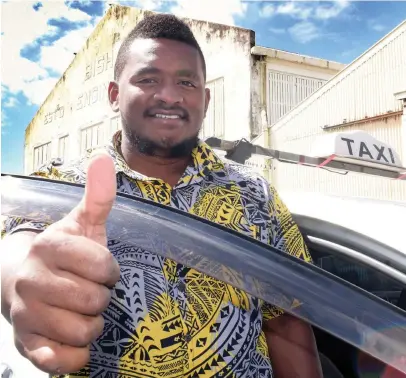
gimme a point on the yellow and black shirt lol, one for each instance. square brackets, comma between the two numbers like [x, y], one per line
[167, 320]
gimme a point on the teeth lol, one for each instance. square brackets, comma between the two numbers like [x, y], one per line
[166, 116]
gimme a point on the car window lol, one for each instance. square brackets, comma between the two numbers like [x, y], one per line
[363, 276]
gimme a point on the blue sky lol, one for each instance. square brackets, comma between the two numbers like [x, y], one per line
[39, 39]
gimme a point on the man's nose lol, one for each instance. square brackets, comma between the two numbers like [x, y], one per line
[169, 94]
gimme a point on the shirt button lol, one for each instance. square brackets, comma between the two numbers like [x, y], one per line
[187, 338]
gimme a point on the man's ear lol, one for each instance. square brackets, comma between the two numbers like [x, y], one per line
[207, 101]
[113, 96]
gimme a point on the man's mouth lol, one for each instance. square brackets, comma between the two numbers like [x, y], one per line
[167, 116]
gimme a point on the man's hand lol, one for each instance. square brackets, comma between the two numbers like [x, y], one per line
[62, 286]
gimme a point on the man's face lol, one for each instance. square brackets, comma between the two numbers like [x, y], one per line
[161, 95]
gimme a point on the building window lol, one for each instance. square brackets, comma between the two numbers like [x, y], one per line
[214, 123]
[63, 148]
[42, 155]
[286, 90]
[91, 137]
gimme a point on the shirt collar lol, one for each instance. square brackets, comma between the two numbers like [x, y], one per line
[204, 161]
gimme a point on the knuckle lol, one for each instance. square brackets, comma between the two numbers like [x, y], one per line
[99, 326]
[41, 359]
[99, 300]
[40, 243]
[83, 336]
[24, 282]
[46, 363]
[18, 315]
[88, 330]
[19, 346]
[107, 264]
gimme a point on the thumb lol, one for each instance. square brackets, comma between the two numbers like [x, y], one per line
[100, 192]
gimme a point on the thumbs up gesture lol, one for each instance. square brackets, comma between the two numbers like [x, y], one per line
[62, 286]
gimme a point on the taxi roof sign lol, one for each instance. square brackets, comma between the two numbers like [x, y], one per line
[357, 147]
[356, 152]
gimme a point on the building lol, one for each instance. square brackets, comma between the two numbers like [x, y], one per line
[368, 95]
[250, 87]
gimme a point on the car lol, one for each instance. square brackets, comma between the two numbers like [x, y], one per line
[353, 295]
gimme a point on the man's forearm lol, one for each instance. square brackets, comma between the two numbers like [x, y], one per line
[292, 348]
[13, 250]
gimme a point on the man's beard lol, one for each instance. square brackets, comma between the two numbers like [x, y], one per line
[151, 148]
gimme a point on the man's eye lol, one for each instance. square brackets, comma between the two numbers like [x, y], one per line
[147, 81]
[187, 83]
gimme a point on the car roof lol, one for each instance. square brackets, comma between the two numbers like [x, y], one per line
[381, 220]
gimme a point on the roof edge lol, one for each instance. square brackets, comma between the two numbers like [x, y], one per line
[297, 58]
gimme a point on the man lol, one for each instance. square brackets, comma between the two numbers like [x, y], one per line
[159, 319]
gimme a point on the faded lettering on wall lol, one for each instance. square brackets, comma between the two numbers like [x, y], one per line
[95, 94]
[59, 112]
[101, 63]
[92, 96]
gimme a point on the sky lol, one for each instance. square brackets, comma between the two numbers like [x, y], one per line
[38, 41]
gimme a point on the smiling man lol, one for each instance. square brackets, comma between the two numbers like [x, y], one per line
[159, 318]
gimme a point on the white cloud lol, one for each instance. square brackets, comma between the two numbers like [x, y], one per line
[295, 10]
[277, 30]
[4, 122]
[379, 27]
[267, 11]
[376, 26]
[327, 12]
[151, 5]
[64, 48]
[21, 26]
[305, 10]
[38, 90]
[11, 102]
[220, 11]
[311, 16]
[304, 32]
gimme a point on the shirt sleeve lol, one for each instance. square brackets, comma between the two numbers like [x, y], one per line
[284, 235]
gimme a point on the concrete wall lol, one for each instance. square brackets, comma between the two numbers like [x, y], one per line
[79, 99]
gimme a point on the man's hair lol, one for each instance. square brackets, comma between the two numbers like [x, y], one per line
[153, 27]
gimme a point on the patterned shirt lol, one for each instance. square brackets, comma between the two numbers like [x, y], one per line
[168, 320]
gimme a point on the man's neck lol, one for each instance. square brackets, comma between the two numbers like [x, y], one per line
[169, 170]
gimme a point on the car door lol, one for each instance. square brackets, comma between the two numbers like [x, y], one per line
[329, 303]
